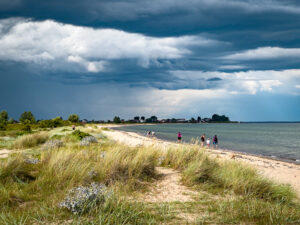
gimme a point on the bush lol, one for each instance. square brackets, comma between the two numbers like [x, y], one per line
[27, 117]
[79, 135]
[3, 117]
[88, 140]
[52, 144]
[2, 126]
[31, 140]
[74, 118]
[26, 128]
[57, 137]
[82, 199]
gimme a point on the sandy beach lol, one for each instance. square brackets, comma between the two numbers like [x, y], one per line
[282, 172]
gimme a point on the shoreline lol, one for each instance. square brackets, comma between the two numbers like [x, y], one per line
[274, 169]
[270, 157]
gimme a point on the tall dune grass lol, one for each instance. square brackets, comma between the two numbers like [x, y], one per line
[31, 193]
[31, 140]
[215, 174]
[46, 183]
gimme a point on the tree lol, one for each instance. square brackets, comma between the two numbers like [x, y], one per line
[136, 118]
[58, 121]
[27, 118]
[74, 118]
[217, 118]
[199, 119]
[3, 116]
[117, 119]
[143, 118]
[153, 119]
[11, 121]
[193, 120]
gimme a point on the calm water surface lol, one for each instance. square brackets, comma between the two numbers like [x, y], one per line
[280, 140]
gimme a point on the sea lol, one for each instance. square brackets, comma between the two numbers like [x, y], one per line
[276, 140]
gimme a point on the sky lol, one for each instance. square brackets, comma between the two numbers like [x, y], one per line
[171, 58]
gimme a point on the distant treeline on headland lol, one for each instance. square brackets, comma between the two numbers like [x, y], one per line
[27, 120]
[153, 119]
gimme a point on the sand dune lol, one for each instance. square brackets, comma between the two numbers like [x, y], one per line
[279, 171]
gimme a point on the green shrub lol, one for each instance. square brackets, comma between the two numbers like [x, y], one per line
[74, 118]
[27, 117]
[79, 135]
[57, 137]
[46, 124]
[31, 140]
[26, 128]
[2, 126]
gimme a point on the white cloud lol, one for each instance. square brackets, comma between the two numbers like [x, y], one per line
[244, 82]
[232, 67]
[169, 102]
[265, 53]
[49, 41]
[297, 86]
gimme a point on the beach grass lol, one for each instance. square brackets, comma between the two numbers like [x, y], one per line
[31, 140]
[229, 192]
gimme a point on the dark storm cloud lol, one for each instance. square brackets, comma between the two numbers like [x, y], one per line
[184, 49]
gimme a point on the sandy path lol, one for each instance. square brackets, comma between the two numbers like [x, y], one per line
[279, 171]
[168, 188]
[4, 153]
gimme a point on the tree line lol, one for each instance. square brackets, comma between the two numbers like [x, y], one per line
[153, 119]
[28, 120]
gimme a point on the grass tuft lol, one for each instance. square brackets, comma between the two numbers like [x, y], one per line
[31, 140]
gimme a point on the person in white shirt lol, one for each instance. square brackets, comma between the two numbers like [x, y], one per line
[208, 142]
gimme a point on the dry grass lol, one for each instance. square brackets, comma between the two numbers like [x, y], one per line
[31, 140]
[31, 193]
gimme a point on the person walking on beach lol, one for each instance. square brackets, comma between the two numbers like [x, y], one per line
[202, 140]
[215, 141]
[208, 142]
[179, 137]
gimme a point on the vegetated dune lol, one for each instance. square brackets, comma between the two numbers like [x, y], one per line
[149, 182]
[279, 171]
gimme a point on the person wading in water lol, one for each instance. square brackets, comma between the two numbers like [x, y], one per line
[215, 141]
[179, 137]
[202, 140]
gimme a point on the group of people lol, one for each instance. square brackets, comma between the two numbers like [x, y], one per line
[150, 133]
[204, 142]
[214, 140]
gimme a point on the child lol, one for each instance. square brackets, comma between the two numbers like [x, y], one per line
[208, 142]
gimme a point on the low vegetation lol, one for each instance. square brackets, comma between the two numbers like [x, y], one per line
[35, 184]
[31, 140]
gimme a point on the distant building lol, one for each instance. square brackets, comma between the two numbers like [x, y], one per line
[84, 121]
[181, 121]
[206, 120]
